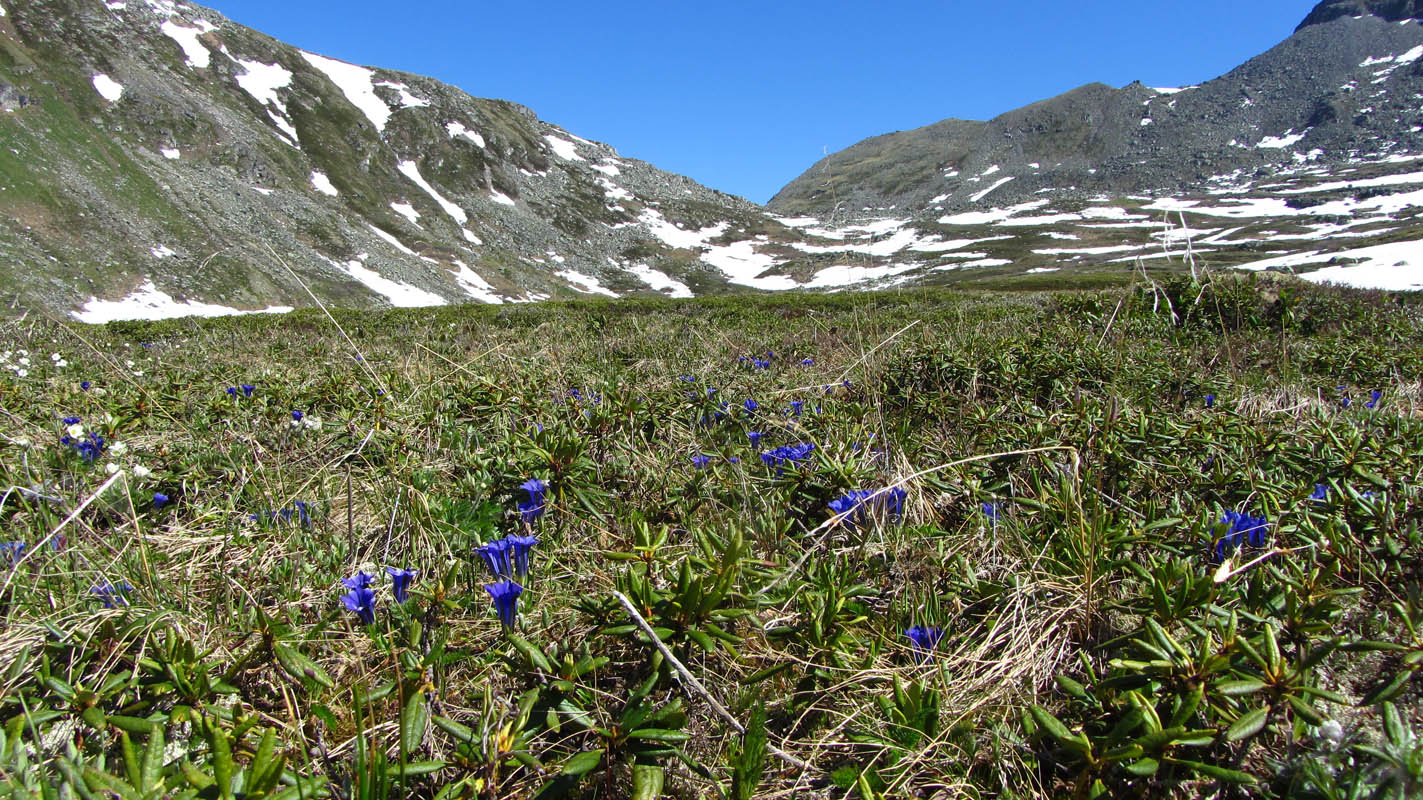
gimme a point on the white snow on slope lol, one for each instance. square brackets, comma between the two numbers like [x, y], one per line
[412, 171]
[1276, 207]
[608, 168]
[148, 302]
[262, 82]
[848, 275]
[587, 284]
[992, 215]
[674, 236]
[501, 198]
[474, 285]
[407, 100]
[400, 295]
[458, 130]
[355, 83]
[1386, 180]
[1090, 251]
[1392, 267]
[1169, 90]
[408, 211]
[742, 265]
[162, 251]
[322, 184]
[392, 241]
[171, 153]
[562, 148]
[108, 88]
[985, 192]
[1287, 139]
[198, 55]
[659, 281]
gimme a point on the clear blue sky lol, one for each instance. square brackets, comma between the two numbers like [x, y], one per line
[745, 96]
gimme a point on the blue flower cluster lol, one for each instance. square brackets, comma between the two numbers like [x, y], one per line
[88, 445]
[507, 557]
[247, 389]
[857, 505]
[1241, 529]
[787, 455]
[993, 511]
[15, 551]
[530, 511]
[924, 639]
[299, 510]
[361, 599]
[112, 593]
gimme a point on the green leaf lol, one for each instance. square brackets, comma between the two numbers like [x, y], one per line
[413, 722]
[460, 731]
[1050, 724]
[1212, 771]
[1305, 710]
[532, 654]
[301, 668]
[1072, 687]
[151, 777]
[1388, 691]
[1248, 725]
[659, 735]
[137, 725]
[419, 768]
[646, 781]
[1239, 688]
[1143, 767]
[583, 763]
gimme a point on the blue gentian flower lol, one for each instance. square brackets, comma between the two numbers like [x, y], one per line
[797, 406]
[692, 379]
[297, 415]
[1242, 529]
[362, 601]
[1321, 493]
[850, 507]
[358, 581]
[751, 405]
[788, 454]
[159, 500]
[806, 362]
[1373, 400]
[894, 502]
[400, 582]
[924, 639]
[85, 385]
[1210, 401]
[506, 600]
[518, 548]
[231, 391]
[112, 593]
[248, 389]
[495, 555]
[733, 460]
[70, 420]
[15, 550]
[701, 460]
[991, 510]
[755, 437]
[534, 508]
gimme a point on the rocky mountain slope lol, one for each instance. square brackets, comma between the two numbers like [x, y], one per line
[158, 158]
[1341, 87]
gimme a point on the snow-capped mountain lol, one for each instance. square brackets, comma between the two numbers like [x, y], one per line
[161, 160]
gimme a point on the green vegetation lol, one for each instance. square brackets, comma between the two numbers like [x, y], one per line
[1126, 543]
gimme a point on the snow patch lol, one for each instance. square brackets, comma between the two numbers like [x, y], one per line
[410, 170]
[986, 192]
[262, 191]
[659, 281]
[199, 57]
[847, 275]
[1288, 139]
[170, 153]
[1391, 267]
[501, 198]
[108, 88]
[262, 82]
[322, 184]
[148, 302]
[162, 251]
[400, 295]
[356, 83]
[392, 241]
[675, 236]
[407, 100]
[408, 211]
[562, 148]
[743, 265]
[458, 130]
[587, 284]
[474, 285]
[992, 215]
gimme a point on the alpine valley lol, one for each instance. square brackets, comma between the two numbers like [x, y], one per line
[157, 160]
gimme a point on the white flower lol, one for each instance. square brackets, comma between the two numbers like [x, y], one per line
[111, 468]
[20, 373]
[138, 373]
[76, 430]
[61, 363]
[1332, 732]
[56, 357]
[24, 362]
[141, 472]
[311, 423]
[21, 442]
[118, 448]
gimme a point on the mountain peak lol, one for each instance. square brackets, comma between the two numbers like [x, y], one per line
[1389, 10]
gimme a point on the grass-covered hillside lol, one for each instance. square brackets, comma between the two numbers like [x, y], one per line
[1155, 541]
